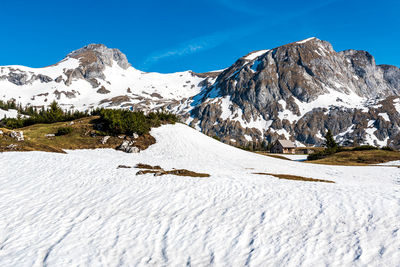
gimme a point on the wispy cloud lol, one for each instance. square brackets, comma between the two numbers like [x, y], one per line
[202, 43]
[215, 39]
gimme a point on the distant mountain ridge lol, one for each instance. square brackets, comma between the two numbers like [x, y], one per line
[296, 91]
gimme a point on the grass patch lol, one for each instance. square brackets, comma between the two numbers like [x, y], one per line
[359, 157]
[80, 137]
[158, 171]
[294, 177]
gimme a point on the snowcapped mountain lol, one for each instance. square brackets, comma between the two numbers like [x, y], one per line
[294, 91]
[96, 76]
[298, 91]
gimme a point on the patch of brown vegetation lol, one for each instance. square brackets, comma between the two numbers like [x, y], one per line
[123, 167]
[294, 177]
[148, 167]
[144, 141]
[158, 171]
[359, 158]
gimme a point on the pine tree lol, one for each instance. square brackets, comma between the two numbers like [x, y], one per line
[330, 141]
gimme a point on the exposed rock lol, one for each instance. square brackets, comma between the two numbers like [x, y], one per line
[59, 79]
[19, 135]
[44, 78]
[17, 78]
[103, 90]
[65, 93]
[283, 78]
[105, 139]
[116, 101]
[128, 147]
[95, 57]
[49, 135]
[12, 146]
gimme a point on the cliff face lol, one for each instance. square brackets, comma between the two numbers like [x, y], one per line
[298, 91]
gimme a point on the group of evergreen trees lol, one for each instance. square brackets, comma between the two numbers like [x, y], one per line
[112, 121]
[51, 115]
[122, 121]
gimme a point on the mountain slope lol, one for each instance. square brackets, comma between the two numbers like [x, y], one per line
[95, 76]
[296, 91]
[85, 211]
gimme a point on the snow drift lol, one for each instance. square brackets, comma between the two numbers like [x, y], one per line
[79, 209]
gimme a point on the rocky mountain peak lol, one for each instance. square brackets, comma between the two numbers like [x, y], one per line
[100, 54]
[299, 90]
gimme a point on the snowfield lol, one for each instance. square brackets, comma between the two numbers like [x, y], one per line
[79, 209]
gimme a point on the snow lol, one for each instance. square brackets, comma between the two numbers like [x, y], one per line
[225, 107]
[78, 209]
[248, 138]
[391, 163]
[282, 132]
[117, 80]
[221, 70]
[385, 116]
[371, 138]
[332, 98]
[256, 54]
[305, 40]
[299, 144]
[396, 104]
[294, 157]
[11, 113]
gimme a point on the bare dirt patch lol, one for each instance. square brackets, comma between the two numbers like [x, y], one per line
[158, 171]
[294, 177]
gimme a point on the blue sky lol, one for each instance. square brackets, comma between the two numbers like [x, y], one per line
[168, 36]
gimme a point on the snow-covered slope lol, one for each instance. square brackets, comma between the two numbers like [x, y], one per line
[95, 76]
[78, 209]
[11, 113]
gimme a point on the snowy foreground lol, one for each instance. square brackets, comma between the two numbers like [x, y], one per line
[79, 209]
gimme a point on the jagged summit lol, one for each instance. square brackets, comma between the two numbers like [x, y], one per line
[297, 91]
[99, 53]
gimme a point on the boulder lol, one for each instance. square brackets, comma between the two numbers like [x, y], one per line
[12, 146]
[19, 136]
[128, 147]
[105, 139]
